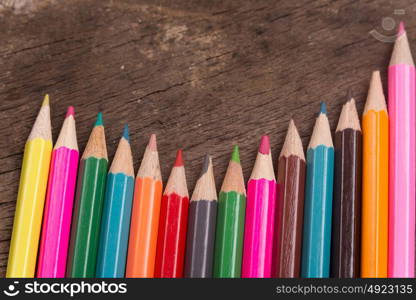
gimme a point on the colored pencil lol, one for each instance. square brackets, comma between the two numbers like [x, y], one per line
[401, 83]
[375, 201]
[31, 197]
[230, 221]
[260, 216]
[115, 223]
[56, 226]
[201, 225]
[173, 223]
[291, 180]
[346, 215]
[318, 200]
[89, 199]
[145, 215]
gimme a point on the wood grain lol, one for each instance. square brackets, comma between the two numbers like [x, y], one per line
[205, 74]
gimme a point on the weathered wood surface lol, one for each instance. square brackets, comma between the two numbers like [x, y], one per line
[202, 75]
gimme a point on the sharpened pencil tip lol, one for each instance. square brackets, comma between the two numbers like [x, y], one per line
[45, 101]
[264, 145]
[401, 30]
[179, 159]
[322, 109]
[152, 142]
[70, 112]
[375, 97]
[349, 94]
[292, 125]
[205, 165]
[235, 156]
[99, 121]
[126, 133]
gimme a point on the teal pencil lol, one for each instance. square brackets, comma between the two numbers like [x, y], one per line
[114, 235]
[318, 200]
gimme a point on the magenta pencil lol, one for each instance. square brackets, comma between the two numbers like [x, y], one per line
[401, 85]
[260, 216]
[59, 201]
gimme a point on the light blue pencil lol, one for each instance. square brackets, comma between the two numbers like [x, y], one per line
[318, 200]
[114, 235]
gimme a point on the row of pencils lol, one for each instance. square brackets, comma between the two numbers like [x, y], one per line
[346, 210]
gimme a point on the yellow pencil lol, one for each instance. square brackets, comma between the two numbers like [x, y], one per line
[31, 197]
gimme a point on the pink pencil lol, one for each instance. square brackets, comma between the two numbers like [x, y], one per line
[260, 216]
[401, 84]
[59, 201]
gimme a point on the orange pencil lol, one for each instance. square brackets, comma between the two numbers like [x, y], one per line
[145, 215]
[374, 228]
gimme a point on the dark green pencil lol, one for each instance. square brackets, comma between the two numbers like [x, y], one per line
[86, 221]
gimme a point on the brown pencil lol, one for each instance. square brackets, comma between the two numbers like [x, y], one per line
[289, 215]
[346, 238]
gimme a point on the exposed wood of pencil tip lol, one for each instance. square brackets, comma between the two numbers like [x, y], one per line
[205, 185]
[375, 97]
[42, 127]
[321, 134]
[68, 134]
[150, 166]
[177, 179]
[293, 143]
[123, 159]
[349, 117]
[234, 179]
[401, 51]
[263, 166]
[96, 145]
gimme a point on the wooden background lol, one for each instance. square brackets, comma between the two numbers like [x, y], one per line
[202, 75]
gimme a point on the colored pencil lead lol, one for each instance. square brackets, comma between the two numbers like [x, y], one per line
[264, 147]
[99, 121]
[45, 101]
[70, 112]
[235, 155]
[322, 109]
[179, 159]
[126, 133]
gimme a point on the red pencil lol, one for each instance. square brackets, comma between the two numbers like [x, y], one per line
[173, 224]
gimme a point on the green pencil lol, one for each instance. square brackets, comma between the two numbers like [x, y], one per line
[230, 221]
[88, 207]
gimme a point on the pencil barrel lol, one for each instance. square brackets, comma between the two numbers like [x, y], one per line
[375, 202]
[229, 235]
[259, 228]
[82, 258]
[171, 243]
[57, 217]
[144, 228]
[289, 217]
[401, 80]
[29, 207]
[316, 246]
[346, 215]
[112, 254]
[200, 239]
